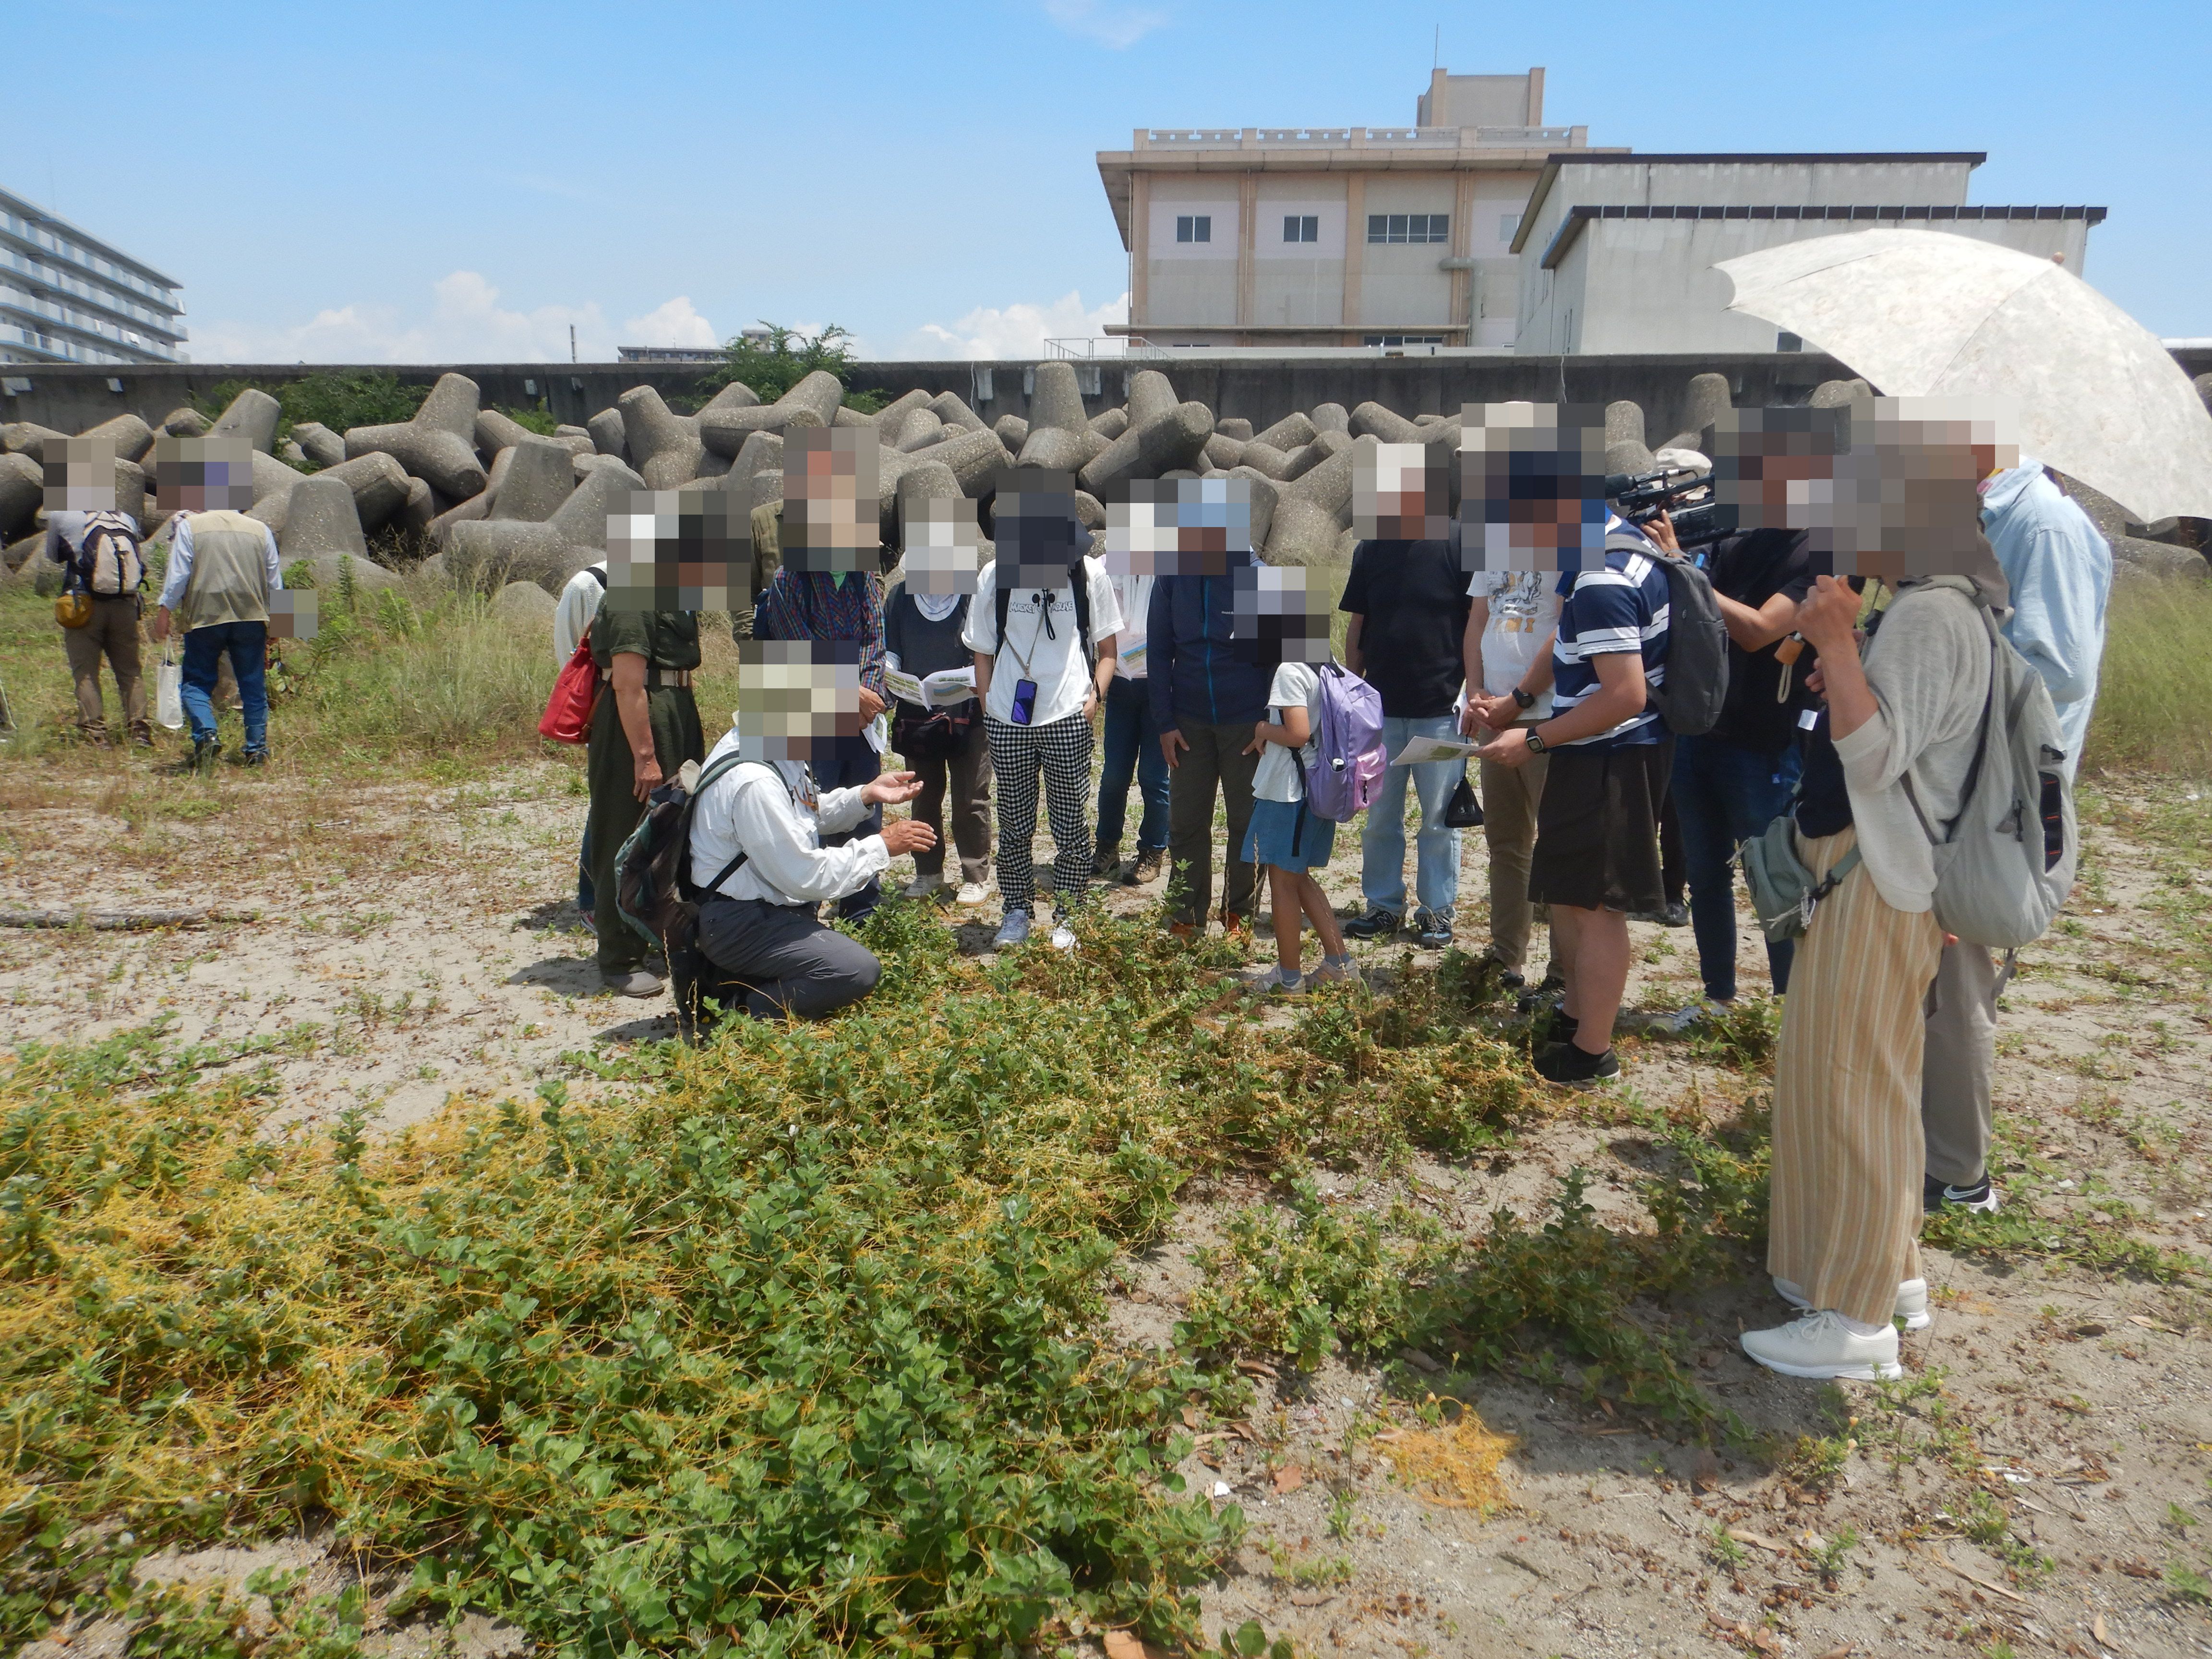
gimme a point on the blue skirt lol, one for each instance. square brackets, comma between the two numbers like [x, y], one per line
[1274, 824]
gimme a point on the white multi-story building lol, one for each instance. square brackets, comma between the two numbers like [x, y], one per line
[1480, 228]
[68, 297]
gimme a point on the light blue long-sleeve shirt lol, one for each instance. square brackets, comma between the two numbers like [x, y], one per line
[2060, 572]
[180, 574]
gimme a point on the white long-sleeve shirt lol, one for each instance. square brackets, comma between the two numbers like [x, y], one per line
[771, 812]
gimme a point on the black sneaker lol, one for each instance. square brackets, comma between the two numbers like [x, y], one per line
[1676, 915]
[1433, 929]
[1938, 1194]
[1547, 993]
[1564, 1063]
[205, 757]
[1377, 923]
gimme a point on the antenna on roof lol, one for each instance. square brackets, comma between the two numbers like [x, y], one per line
[1436, 57]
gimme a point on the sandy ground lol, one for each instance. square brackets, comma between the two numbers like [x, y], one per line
[412, 942]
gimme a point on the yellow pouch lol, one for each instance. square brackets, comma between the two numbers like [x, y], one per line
[73, 610]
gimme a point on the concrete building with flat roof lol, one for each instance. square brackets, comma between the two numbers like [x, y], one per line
[1480, 228]
[1336, 236]
[68, 297]
[1617, 252]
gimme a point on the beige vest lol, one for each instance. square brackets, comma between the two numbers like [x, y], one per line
[230, 570]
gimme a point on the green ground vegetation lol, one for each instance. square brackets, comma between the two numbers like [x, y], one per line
[788, 357]
[2156, 677]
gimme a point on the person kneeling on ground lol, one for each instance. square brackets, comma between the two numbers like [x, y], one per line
[756, 831]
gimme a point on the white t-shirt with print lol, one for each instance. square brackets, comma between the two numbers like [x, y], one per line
[1296, 685]
[1524, 609]
[1041, 645]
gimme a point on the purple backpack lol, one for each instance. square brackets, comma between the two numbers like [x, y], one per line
[1351, 758]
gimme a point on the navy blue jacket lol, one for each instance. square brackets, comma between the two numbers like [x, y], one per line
[1194, 672]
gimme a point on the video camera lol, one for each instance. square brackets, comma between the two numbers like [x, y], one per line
[1640, 497]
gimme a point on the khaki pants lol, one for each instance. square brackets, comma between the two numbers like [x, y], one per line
[1510, 798]
[1215, 759]
[1954, 1073]
[112, 633]
[1847, 1155]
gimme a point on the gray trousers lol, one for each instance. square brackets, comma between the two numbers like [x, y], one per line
[1954, 1070]
[779, 960]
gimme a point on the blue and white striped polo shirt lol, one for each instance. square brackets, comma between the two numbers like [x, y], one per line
[1621, 607]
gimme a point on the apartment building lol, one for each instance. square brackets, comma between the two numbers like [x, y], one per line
[68, 297]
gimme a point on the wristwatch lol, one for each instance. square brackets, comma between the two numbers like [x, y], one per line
[1536, 742]
[1524, 699]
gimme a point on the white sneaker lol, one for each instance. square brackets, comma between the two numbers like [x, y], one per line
[1276, 980]
[1330, 973]
[973, 893]
[1014, 930]
[922, 886]
[1063, 938]
[1821, 1345]
[1912, 1302]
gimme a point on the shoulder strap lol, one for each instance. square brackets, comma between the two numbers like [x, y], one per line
[722, 767]
[1981, 739]
[1078, 585]
[596, 575]
[1003, 597]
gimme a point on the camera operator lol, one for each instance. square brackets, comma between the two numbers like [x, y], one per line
[1729, 783]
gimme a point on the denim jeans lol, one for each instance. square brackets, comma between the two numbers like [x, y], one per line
[584, 893]
[1132, 748]
[1724, 794]
[247, 644]
[1436, 849]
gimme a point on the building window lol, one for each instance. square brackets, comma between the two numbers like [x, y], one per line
[1194, 228]
[1405, 339]
[1301, 227]
[1508, 223]
[1409, 227]
[1785, 341]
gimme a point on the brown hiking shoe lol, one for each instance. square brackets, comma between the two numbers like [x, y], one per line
[92, 733]
[1103, 862]
[142, 735]
[1147, 867]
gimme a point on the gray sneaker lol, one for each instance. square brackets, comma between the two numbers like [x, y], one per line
[1377, 923]
[1014, 930]
[1433, 929]
[635, 983]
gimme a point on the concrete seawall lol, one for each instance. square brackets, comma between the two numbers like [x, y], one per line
[71, 399]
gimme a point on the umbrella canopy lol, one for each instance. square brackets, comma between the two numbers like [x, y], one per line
[1929, 313]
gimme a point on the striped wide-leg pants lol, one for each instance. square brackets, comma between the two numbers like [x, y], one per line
[1848, 1152]
[1061, 752]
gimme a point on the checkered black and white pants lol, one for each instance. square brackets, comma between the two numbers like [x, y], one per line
[1061, 752]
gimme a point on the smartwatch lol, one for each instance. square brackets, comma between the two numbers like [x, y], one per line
[1536, 743]
[1524, 699]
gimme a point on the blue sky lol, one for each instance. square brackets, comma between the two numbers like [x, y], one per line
[461, 181]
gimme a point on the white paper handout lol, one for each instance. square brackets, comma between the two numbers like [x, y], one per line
[1424, 751]
[947, 688]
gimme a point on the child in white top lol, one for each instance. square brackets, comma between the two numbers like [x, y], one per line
[1286, 837]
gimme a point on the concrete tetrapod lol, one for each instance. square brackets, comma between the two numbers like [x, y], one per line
[320, 519]
[323, 446]
[1224, 452]
[333, 571]
[736, 395]
[438, 445]
[22, 490]
[540, 474]
[1233, 426]
[1266, 496]
[1624, 421]
[954, 413]
[486, 554]
[185, 422]
[253, 415]
[27, 438]
[919, 429]
[1172, 440]
[1111, 424]
[1151, 395]
[606, 430]
[495, 432]
[1056, 449]
[1057, 399]
[1331, 417]
[665, 451]
[724, 430]
[1837, 394]
[129, 436]
[1708, 401]
[526, 605]
[1293, 431]
[972, 457]
[893, 414]
[1371, 420]
[418, 510]
[1013, 432]
[1627, 455]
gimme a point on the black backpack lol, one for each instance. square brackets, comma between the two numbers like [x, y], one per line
[1691, 700]
[655, 894]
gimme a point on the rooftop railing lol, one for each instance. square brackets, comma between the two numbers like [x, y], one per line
[1359, 137]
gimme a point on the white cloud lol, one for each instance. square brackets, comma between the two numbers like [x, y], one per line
[672, 323]
[464, 324]
[1016, 331]
[1117, 26]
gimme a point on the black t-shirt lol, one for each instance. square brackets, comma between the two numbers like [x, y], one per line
[1824, 803]
[1412, 596]
[1751, 570]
